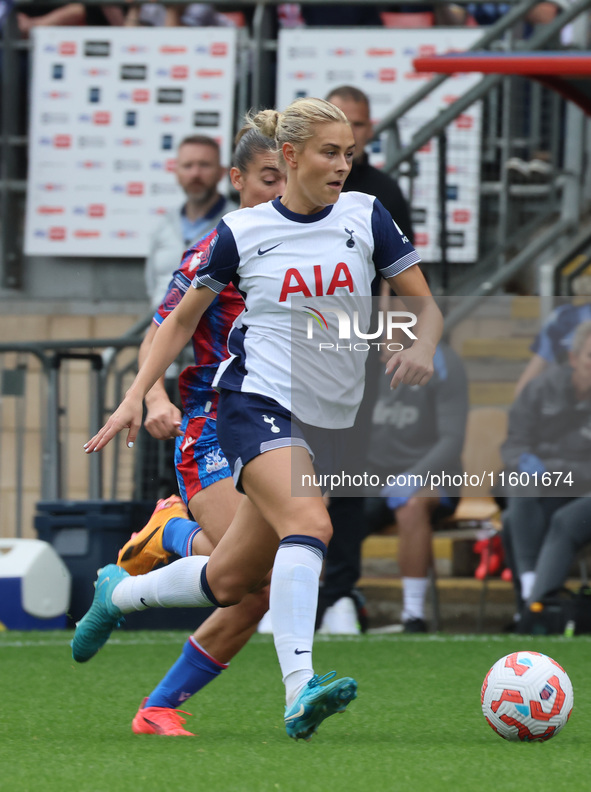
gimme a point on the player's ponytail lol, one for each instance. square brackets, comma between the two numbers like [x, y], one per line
[249, 143]
[296, 124]
[266, 121]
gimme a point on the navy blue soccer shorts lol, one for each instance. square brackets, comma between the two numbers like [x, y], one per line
[250, 425]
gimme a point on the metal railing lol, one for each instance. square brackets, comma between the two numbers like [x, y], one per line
[557, 216]
[44, 438]
[257, 90]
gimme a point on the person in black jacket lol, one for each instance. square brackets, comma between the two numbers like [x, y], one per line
[364, 177]
[340, 605]
[547, 456]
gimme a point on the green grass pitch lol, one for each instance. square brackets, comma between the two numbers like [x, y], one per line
[416, 724]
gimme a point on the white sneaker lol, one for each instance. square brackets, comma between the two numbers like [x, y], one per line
[265, 624]
[340, 619]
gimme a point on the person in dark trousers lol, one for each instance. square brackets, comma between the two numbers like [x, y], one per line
[415, 433]
[340, 605]
[547, 473]
[364, 177]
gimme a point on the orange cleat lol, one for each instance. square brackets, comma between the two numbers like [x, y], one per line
[144, 550]
[160, 720]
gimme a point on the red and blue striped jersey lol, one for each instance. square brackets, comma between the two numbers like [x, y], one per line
[209, 341]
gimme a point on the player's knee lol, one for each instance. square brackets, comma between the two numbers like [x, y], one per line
[318, 526]
[228, 596]
[414, 514]
[253, 597]
[321, 528]
[229, 591]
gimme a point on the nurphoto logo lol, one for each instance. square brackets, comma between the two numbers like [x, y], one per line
[389, 323]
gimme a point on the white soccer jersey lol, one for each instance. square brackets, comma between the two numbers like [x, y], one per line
[272, 255]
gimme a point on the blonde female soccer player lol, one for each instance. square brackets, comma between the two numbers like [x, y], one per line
[311, 238]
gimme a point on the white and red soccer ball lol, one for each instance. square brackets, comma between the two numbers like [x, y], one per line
[527, 696]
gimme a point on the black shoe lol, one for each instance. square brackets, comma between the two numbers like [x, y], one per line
[362, 615]
[414, 626]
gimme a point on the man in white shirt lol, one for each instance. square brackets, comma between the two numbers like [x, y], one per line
[198, 172]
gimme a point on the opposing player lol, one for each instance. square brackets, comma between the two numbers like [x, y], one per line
[304, 237]
[203, 472]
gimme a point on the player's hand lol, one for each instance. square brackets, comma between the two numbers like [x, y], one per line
[412, 366]
[127, 416]
[163, 419]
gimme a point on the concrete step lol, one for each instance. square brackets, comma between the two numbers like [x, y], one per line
[516, 348]
[491, 394]
[525, 308]
[457, 601]
[462, 604]
[453, 553]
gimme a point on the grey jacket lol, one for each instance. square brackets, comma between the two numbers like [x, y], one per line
[549, 421]
[167, 247]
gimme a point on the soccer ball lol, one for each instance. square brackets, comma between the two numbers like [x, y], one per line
[526, 696]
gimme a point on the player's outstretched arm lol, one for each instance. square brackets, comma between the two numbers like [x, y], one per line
[414, 366]
[163, 418]
[171, 338]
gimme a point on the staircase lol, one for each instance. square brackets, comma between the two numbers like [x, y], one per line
[495, 346]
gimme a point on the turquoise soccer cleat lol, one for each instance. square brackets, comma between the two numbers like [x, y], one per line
[315, 703]
[95, 627]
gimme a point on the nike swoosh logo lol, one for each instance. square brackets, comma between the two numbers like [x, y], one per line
[262, 252]
[135, 549]
[156, 726]
[144, 603]
[296, 714]
[302, 651]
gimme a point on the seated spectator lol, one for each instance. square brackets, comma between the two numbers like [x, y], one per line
[357, 15]
[289, 16]
[541, 14]
[441, 13]
[550, 432]
[71, 14]
[193, 15]
[417, 431]
[556, 530]
[552, 343]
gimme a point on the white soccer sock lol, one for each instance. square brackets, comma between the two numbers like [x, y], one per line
[293, 603]
[173, 586]
[527, 583]
[413, 597]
